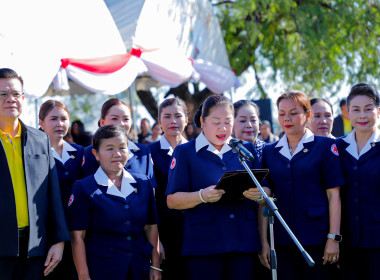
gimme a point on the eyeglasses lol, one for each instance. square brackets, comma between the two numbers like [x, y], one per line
[5, 94]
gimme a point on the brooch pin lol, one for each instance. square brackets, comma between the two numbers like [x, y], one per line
[373, 145]
[135, 190]
[305, 150]
[72, 156]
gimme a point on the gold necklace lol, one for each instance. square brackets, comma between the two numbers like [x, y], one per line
[292, 147]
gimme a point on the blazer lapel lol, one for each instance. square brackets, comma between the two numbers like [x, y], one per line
[281, 156]
[104, 191]
[305, 150]
[130, 160]
[373, 151]
[69, 162]
[206, 153]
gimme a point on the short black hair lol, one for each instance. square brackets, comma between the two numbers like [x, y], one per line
[211, 102]
[343, 102]
[243, 103]
[107, 132]
[266, 122]
[316, 100]
[172, 101]
[366, 90]
[7, 73]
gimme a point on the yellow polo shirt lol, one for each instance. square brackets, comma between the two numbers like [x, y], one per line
[12, 147]
[347, 126]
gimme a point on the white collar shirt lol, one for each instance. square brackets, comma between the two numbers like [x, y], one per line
[352, 148]
[125, 189]
[201, 141]
[65, 152]
[132, 147]
[165, 145]
[283, 142]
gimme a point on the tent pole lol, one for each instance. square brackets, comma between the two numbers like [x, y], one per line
[36, 111]
[132, 101]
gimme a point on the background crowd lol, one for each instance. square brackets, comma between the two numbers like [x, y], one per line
[104, 207]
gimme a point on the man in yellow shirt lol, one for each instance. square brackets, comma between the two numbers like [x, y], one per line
[342, 125]
[32, 222]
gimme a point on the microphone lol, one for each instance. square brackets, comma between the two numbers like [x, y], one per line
[238, 147]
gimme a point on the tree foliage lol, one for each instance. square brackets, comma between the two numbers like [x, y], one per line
[311, 45]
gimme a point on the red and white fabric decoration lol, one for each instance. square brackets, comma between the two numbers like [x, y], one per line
[217, 78]
[107, 75]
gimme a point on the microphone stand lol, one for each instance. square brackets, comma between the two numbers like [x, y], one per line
[270, 212]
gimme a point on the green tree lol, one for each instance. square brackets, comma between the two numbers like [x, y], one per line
[311, 45]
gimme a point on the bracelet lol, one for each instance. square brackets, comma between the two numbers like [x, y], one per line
[200, 196]
[156, 268]
[260, 199]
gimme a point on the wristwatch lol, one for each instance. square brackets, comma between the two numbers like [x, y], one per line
[335, 237]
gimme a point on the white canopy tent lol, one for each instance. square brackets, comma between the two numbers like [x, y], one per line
[104, 46]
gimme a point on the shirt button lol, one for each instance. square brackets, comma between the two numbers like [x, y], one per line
[355, 167]
[356, 200]
[224, 168]
[289, 182]
[66, 173]
[288, 166]
[129, 238]
[126, 206]
[128, 223]
[357, 218]
[355, 184]
[232, 216]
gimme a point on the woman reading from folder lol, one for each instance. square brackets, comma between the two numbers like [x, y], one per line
[220, 240]
[305, 175]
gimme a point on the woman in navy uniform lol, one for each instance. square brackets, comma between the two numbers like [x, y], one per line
[117, 112]
[220, 240]
[360, 157]
[246, 128]
[305, 175]
[54, 119]
[246, 124]
[321, 123]
[172, 117]
[112, 216]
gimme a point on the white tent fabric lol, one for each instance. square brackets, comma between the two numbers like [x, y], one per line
[36, 35]
[80, 36]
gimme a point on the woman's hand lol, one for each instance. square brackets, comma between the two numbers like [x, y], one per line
[252, 194]
[264, 255]
[155, 274]
[211, 195]
[331, 253]
[161, 251]
[53, 258]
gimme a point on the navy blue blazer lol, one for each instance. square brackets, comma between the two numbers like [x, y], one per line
[115, 237]
[140, 163]
[47, 224]
[300, 188]
[69, 172]
[161, 166]
[213, 228]
[360, 197]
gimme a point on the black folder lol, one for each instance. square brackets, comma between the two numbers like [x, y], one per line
[234, 183]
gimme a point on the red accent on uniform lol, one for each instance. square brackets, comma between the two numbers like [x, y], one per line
[172, 165]
[334, 149]
[71, 200]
